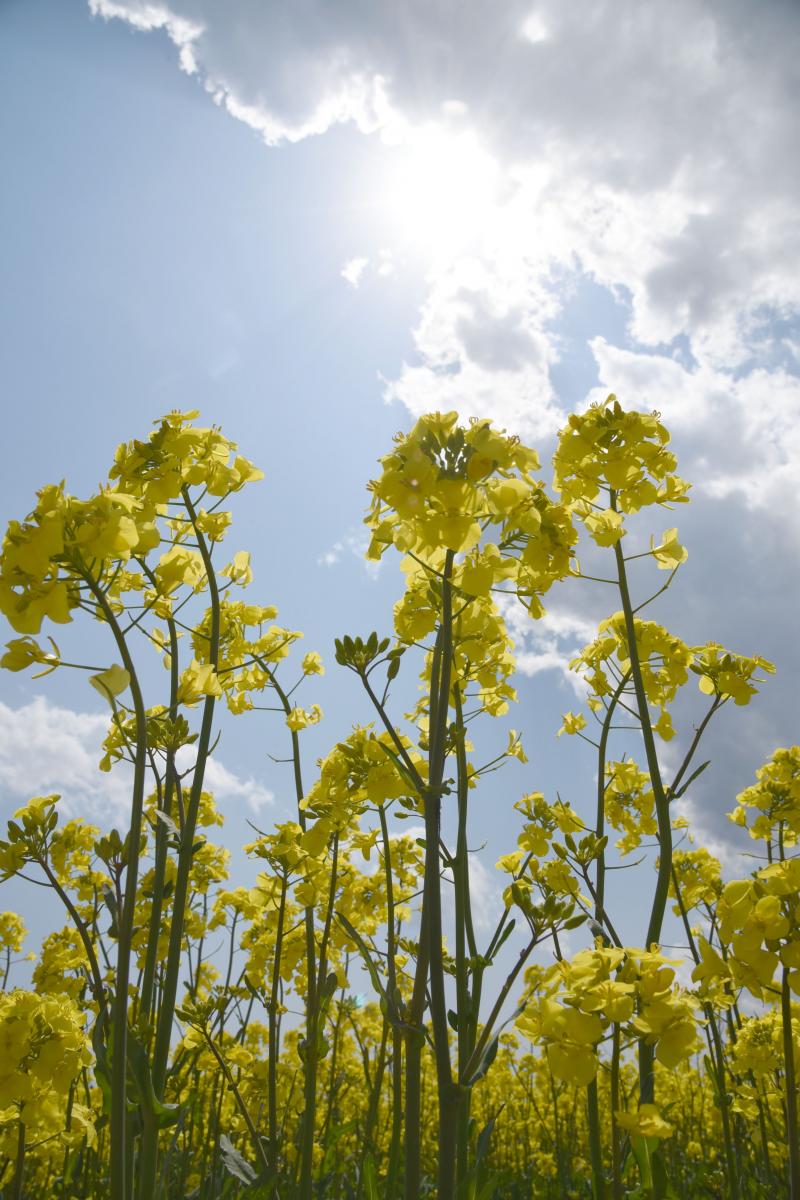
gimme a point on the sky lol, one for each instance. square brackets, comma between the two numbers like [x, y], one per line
[315, 222]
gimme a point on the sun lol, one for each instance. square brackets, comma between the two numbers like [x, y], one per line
[440, 190]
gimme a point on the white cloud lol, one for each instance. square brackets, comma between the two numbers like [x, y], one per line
[649, 148]
[549, 643]
[482, 349]
[731, 857]
[745, 429]
[384, 265]
[45, 748]
[652, 143]
[353, 269]
[354, 543]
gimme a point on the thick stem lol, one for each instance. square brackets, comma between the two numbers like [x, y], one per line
[118, 1132]
[467, 1020]
[616, 1156]
[414, 1042]
[432, 909]
[161, 836]
[658, 908]
[19, 1164]
[595, 1142]
[314, 1015]
[397, 1115]
[791, 1087]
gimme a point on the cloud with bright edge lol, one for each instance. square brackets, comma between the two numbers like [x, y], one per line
[649, 147]
[61, 754]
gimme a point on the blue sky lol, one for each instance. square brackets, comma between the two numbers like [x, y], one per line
[549, 206]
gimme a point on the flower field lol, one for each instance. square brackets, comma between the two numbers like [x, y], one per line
[346, 1028]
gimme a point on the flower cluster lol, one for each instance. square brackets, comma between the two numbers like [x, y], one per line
[44, 1050]
[445, 487]
[624, 455]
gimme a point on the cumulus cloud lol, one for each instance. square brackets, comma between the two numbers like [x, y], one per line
[653, 143]
[745, 428]
[482, 347]
[550, 643]
[45, 749]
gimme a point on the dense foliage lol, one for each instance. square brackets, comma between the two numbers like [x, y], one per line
[141, 1060]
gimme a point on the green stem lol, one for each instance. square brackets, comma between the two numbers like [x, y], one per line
[646, 1053]
[448, 1093]
[120, 1183]
[717, 1056]
[19, 1164]
[161, 836]
[467, 1019]
[243, 1109]
[273, 1048]
[791, 1087]
[169, 989]
[601, 798]
[616, 1157]
[414, 1042]
[397, 1041]
[595, 1141]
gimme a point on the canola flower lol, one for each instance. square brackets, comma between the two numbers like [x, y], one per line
[345, 1024]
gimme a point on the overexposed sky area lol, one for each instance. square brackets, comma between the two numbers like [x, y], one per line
[315, 221]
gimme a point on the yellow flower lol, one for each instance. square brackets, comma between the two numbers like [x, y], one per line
[239, 571]
[178, 566]
[572, 723]
[670, 553]
[647, 1122]
[300, 718]
[312, 664]
[25, 652]
[12, 932]
[198, 680]
[110, 682]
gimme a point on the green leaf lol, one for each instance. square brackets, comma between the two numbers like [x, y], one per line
[235, 1164]
[153, 1110]
[370, 1178]
[490, 1051]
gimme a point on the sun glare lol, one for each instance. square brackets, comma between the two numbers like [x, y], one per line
[440, 189]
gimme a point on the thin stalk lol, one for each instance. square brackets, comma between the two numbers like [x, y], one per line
[717, 1054]
[273, 1048]
[243, 1109]
[601, 797]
